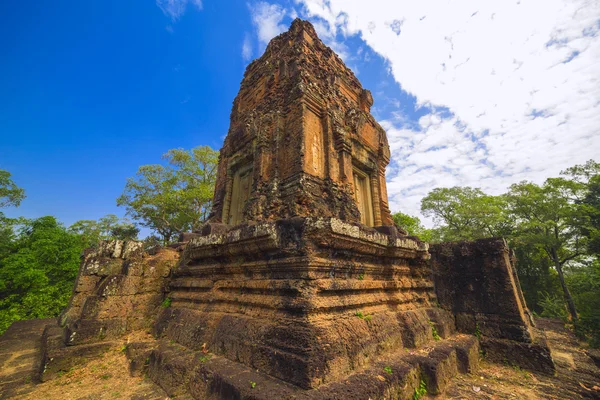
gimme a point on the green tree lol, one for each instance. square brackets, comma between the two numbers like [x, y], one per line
[584, 281]
[125, 232]
[108, 227]
[174, 198]
[10, 193]
[412, 225]
[549, 220]
[464, 213]
[37, 270]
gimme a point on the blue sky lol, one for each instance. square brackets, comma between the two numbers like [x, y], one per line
[479, 95]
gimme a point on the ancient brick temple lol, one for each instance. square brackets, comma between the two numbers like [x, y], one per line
[302, 141]
[300, 285]
[300, 272]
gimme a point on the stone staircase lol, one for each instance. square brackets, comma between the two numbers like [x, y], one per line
[396, 374]
[20, 348]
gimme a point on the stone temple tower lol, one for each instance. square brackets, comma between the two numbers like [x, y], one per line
[300, 286]
[300, 278]
[302, 141]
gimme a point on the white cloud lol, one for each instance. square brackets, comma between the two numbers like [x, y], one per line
[174, 9]
[519, 82]
[247, 48]
[267, 20]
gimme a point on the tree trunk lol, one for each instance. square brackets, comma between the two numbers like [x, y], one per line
[567, 293]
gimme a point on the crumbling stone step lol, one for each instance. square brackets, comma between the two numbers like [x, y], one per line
[20, 348]
[180, 371]
[56, 357]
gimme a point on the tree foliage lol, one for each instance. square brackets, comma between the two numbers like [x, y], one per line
[10, 193]
[553, 227]
[174, 198]
[38, 266]
[412, 225]
[465, 213]
[106, 228]
[548, 219]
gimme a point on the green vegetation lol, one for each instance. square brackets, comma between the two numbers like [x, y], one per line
[388, 370]
[434, 331]
[10, 193]
[362, 316]
[39, 260]
[554, 228]
[175, 198]
[252, 384]
[420, 391]
[166, 303]
[477, 332]
[413, 226]
[109, 227]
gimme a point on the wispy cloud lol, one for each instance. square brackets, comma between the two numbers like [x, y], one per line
[511, 89]
[175, 9]
[247, 48]
[267, 20]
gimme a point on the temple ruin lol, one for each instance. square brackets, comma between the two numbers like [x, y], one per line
[300, 285]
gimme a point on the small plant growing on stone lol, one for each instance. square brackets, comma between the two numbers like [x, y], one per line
[434, 332]
[205, 358]
[477, 331]
[252, 384]
[360, 315]
[166, 302]
[388, 370]
[420, 391]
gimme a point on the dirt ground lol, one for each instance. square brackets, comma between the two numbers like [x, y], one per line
[577, 377]
[104, 378]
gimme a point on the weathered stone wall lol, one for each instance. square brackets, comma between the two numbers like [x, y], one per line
[119, 288]
[307, 300]
[477, 282]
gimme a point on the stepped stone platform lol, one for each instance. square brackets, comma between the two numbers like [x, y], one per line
[306, 300]
[180, 371]
[20, 348]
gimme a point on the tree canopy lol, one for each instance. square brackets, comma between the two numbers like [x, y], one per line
[108, 227]
[10, 193]
[554, 228]
[38, 265]
[174, 198]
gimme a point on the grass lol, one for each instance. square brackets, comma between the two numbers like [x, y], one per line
[434, 331]
[477, 331]
[205, 358]
[420, 391]
[361, 277]
[360, 315]
[166, 302]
